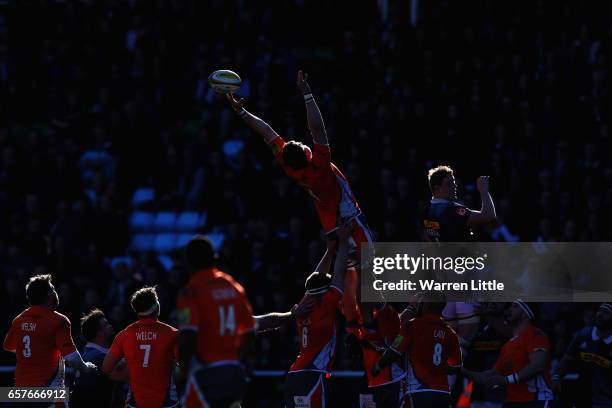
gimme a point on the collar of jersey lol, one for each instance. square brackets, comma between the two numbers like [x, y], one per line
[595, 336]
[207, 272]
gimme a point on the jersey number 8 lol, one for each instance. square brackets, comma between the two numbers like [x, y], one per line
[437, 354]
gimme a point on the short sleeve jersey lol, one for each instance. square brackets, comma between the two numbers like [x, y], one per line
[431, 346]
[217, 307]
[446, 221]
[317, 333]
[150, 349]
[40, 338]
[376, 341]
[595, 356]
[515, 355]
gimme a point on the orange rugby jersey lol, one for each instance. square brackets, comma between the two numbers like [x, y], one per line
[215, 305]
[377, 340]
[317, 333]
[430, 346]
[514, 356]
[40, 336]
[149, 348]
[330, 190]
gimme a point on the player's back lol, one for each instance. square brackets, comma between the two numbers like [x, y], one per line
[431, 346]
[219, 310]
[149, 347]
[40, 337]
[317, 333]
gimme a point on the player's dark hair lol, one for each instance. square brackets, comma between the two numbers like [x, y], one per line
[294, 155]
[38, 288]
[143, 300]
[437, 175]
[200, 253]
[90, 324]
[317, 280]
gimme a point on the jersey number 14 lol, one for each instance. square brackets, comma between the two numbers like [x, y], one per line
[227, 320]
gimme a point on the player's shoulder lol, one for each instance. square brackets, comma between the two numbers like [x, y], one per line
[533, 331]
[60, 319]
[166, 327]
[129, 328]
[226, 279]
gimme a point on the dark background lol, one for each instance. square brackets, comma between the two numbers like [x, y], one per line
[101, 98]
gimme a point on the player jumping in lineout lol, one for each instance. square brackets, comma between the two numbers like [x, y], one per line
[315, 172]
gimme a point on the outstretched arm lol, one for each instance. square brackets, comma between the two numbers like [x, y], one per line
[258, 125]
[487, 212]
[274, 321]
[313, 114]
[341, 256]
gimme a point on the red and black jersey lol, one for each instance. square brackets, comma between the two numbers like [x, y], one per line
[431, 346]
[317, 333]
[376, 340]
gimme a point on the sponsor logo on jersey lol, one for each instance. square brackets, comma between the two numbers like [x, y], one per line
[595, 359]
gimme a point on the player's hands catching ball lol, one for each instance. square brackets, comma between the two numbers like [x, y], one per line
[482, 184]
[237, 104]
[302, 82]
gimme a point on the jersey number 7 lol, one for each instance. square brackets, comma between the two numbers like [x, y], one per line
[147, 351]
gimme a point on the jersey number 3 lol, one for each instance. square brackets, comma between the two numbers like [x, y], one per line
[27, 351]
[227, 320]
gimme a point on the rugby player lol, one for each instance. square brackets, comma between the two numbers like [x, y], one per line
[41, 339]
[447, 220]
[216, 329]
[314, 171]
[432, 350]
[99, 334]
[484, 352]
[149, 347]
[306, 385]
[590, 351]
[523, 366]
[386, 388]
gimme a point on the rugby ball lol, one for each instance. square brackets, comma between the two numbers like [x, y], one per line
[224, 81]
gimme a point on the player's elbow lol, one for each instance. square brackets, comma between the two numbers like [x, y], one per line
[107, 366]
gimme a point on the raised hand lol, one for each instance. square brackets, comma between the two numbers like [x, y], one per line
[237, 104]
[302, 82]
[482, 184]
